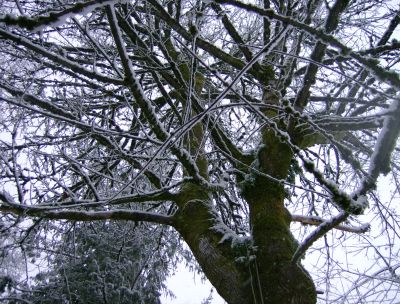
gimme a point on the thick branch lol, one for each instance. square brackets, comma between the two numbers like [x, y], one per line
[9, 206]
[384, 147]
[75, 215]
[261, 75]
[233, 32]
[355, 204]
[53, 18]
[317, 55]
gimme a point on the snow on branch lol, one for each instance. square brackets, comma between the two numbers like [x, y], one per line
[9, 206]
[386, 142]
[355, 204]
[371, 64]
[53, 18]
[316, 221]
[43, 107]
[202, 43]
[69, 64]
[6, 198]
[384, 146]
[317, 233]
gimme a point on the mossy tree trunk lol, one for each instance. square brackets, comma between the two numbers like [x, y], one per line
[257, 269]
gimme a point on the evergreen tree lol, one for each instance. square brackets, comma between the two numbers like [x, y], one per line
[113, 262]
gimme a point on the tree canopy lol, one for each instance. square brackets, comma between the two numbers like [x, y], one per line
[255, 131]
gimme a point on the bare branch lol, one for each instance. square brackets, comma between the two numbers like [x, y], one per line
[77, 215]
[53, 18]
[316, 221]
[322, 229]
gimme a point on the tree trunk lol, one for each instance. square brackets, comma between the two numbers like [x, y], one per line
[199, 228]
[248, 270]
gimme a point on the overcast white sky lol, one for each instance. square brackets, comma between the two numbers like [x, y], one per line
[189, 288]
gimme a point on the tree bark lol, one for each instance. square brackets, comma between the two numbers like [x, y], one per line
[248, 270]
[198, 227]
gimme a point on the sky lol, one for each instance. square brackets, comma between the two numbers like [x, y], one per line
[189, 288]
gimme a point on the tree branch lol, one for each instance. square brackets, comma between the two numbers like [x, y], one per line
[389, 77]
[53, 18]
[9, 206]
[145, 104]
[75, 215]
[317, 233]
[316, 221]
[77, 68]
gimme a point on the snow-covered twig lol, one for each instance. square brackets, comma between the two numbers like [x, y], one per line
[354, 204]
[317, 233]
[53, 18]
[316, 221]
[75, 67]
[371, 64]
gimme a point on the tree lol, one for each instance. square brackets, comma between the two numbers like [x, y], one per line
[229, 121]
[114, 262]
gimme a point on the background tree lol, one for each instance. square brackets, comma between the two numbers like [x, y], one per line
[226, 120]
[116, 262]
